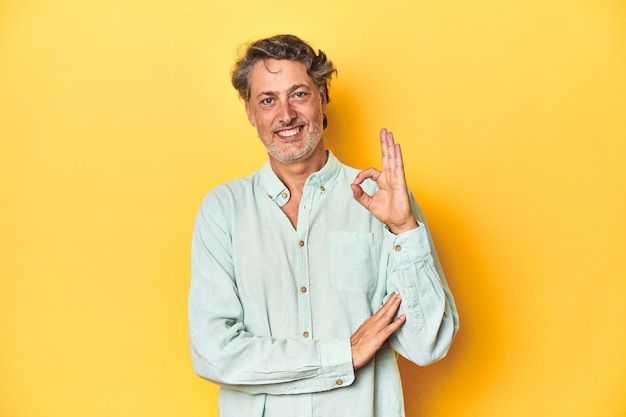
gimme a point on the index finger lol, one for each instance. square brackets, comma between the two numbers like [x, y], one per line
[371, 173]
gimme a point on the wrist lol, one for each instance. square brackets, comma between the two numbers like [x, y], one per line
[404, 227]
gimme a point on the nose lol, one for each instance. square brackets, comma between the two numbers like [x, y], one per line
[286, 112]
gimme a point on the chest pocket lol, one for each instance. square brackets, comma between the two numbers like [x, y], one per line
[353, 261]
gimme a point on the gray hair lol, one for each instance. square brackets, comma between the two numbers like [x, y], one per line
[318, 66]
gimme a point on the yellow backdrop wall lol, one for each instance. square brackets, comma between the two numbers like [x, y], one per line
[117, 117]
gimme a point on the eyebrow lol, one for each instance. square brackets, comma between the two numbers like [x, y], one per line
[289, 91]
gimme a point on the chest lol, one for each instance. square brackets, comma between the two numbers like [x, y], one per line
[291, 210]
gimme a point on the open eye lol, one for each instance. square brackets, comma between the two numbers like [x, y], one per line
[267, 101]
[300, 94]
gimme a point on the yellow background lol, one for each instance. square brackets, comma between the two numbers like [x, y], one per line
[116, 118]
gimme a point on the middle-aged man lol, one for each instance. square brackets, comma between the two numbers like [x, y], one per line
[308, 276]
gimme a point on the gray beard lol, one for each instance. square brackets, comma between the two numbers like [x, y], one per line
[312, 141]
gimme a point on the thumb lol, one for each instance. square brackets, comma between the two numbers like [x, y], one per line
[359, 195]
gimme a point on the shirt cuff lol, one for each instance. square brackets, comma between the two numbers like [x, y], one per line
[408, 246]
[336, 361]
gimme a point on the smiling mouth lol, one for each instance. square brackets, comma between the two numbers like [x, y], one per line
[288, 133]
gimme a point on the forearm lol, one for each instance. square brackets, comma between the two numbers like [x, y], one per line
[272, 366]
[431, 316]
[224, 351]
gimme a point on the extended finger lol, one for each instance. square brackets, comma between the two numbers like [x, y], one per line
[386, 148]
[390, 308]
[394, 153]
[394, 325]
[383, 148]
[398, 156]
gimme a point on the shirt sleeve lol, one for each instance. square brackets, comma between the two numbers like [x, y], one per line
[415, 273]
[224, 352]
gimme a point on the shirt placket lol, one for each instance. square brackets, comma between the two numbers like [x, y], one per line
[303, 270]
[303, 278]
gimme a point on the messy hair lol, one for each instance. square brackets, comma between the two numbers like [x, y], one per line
[318, 66]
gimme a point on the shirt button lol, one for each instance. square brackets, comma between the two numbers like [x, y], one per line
[303, 289]
[398, 248]
[270, 196]
[301, 243]
[322, 188]
[306, 335]
[284, 195]
[339, 382]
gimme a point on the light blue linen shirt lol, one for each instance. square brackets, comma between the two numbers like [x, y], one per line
[272, 308]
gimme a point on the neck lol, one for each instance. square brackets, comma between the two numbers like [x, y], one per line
[295, 175]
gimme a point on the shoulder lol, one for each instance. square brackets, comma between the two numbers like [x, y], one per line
[224, 196]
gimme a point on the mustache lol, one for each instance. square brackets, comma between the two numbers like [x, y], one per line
[293, 123]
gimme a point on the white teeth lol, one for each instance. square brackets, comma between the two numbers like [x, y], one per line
[287, 133]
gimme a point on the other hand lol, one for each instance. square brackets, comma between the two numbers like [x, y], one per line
[374, 332]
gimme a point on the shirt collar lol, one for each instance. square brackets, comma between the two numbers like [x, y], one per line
[279, 193]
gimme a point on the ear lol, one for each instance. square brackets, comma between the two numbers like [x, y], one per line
[249, 113]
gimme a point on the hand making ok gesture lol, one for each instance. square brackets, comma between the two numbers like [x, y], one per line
[390, 203]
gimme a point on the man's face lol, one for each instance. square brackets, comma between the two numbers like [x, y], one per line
[287, 110]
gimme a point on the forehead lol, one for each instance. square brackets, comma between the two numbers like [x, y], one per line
[276, 75]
